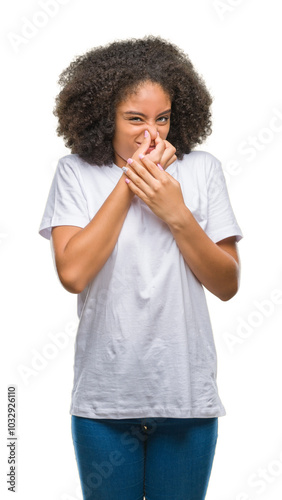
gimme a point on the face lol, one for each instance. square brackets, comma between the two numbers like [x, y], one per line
[147, 109]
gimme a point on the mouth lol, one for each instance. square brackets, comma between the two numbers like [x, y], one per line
[150, 148]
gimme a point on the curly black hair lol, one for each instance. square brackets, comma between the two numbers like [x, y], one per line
[97, 81]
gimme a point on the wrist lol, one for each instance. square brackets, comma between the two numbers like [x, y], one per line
[180, 220]
[124, 189]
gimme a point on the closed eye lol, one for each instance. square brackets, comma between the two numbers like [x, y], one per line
[162, 119]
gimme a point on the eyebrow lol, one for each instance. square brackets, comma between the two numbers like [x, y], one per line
[142, 114]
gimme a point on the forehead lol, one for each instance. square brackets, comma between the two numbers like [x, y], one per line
[147, 95]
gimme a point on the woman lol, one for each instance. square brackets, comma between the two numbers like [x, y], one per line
[139, 224]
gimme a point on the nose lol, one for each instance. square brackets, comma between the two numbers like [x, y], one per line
[153, 131]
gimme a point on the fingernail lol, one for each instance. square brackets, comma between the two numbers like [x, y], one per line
[158, 133]
[127, 181]
[146, 133]
[124, 169]
[129, 161]
[141, 156]
[159, 165]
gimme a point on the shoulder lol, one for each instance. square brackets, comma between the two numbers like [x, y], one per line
[199, 158]
[199, 164]
[72, 165]
[69, 172]
[70, 161]
[75, 162]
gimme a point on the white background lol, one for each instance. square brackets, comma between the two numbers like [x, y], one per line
[236, 46]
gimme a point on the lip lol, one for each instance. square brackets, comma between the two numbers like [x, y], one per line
[149, 150]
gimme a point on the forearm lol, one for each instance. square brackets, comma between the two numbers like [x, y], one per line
[87, 251]
[216, 269]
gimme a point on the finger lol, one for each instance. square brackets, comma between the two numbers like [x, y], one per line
[158, 139]
[144, 146]
[136, 190]
[168, 145]
[151, 167]
[172, 160]
[140, 175]
[169, 155]
[158, 152]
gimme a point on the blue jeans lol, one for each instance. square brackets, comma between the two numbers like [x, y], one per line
[155, 458]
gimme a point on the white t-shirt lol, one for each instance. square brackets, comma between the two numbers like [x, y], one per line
[144, 345]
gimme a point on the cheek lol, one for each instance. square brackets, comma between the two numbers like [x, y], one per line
[118, 140]
[124, 143]
[123, 135]
[126, 138]
[164, 132]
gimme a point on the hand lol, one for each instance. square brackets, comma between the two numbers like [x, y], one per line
[156, 187]
[164, 153]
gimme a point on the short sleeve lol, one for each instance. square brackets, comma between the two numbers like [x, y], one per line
[221, 221]
[66, 203]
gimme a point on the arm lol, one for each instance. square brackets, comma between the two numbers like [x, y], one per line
[216, 266]
[81, 253]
